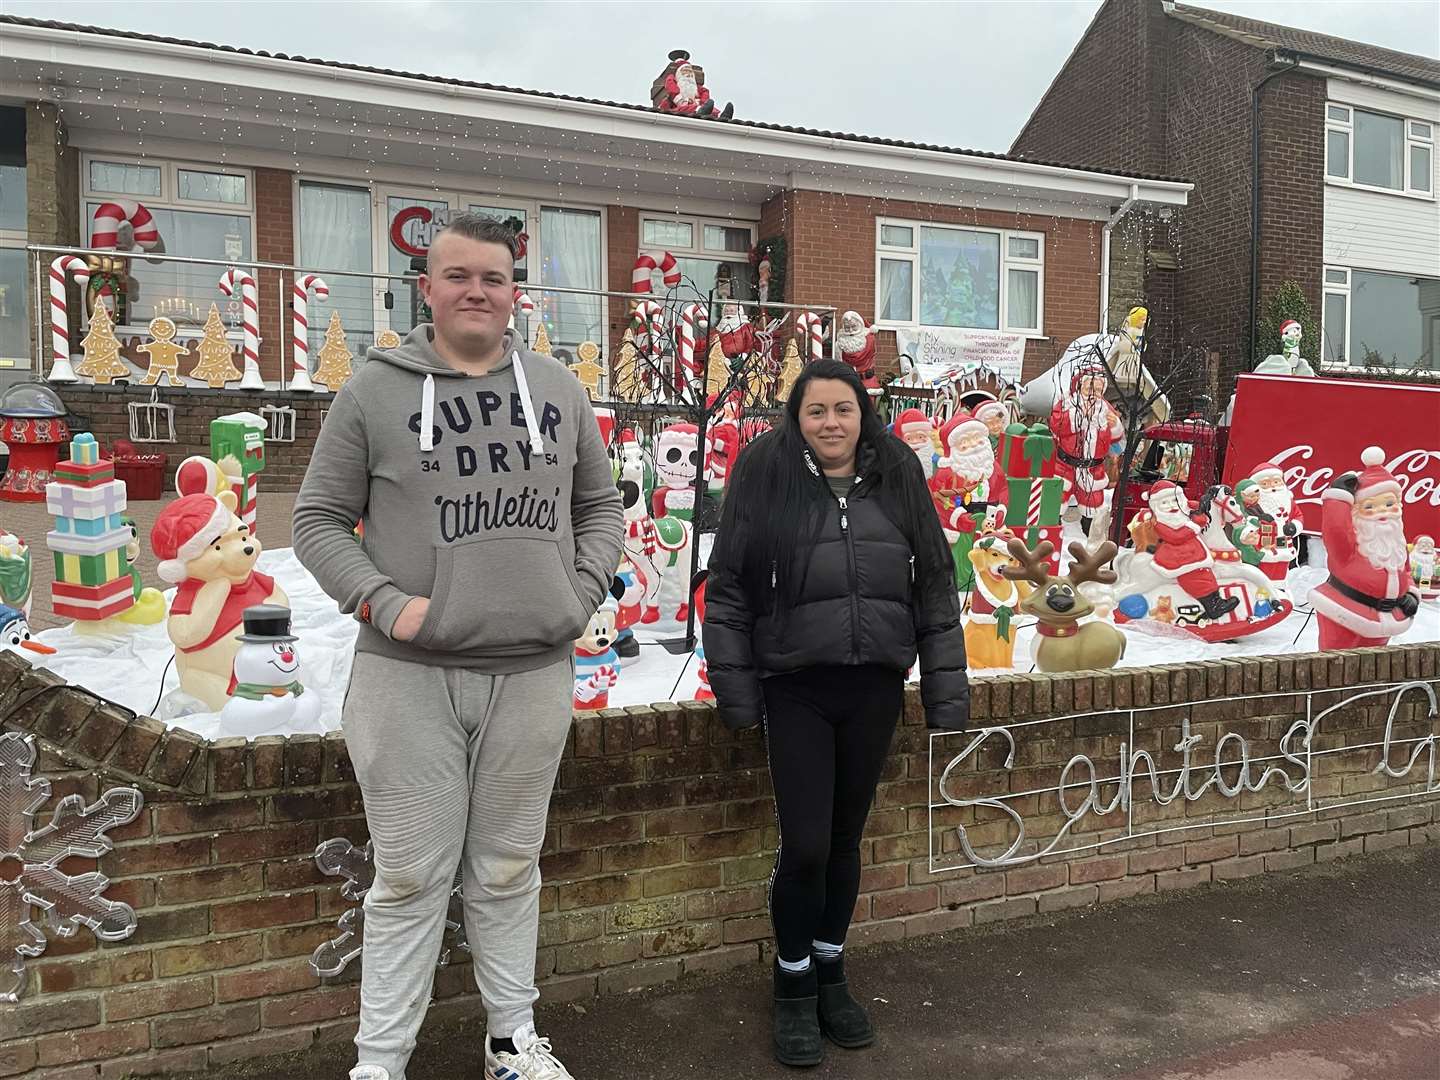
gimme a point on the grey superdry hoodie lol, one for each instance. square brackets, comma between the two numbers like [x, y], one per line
[492, 495]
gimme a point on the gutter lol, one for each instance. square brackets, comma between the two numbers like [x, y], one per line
[1286, 63]
[1114, 220]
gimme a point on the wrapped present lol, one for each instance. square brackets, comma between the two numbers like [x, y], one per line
[1033, 502]
[1027, 451]
[91, 603]
[74, 501]
[1034, 534]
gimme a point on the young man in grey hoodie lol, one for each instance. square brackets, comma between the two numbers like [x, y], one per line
[492, 530]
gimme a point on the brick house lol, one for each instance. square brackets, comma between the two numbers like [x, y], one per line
[1347, 173]
[313, 165]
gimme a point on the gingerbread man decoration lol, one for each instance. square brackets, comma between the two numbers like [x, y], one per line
[164, 352]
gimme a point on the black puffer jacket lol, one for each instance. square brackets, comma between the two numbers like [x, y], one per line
[860, 603]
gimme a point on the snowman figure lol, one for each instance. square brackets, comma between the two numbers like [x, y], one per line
[266, 696]
[15, 633]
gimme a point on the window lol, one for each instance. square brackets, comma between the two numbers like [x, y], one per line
[945, 275]
[1385, 319]
[1373, 150]
[200, 212]
[335, 235]
[712, 255]
[15, 281]
[571, 258]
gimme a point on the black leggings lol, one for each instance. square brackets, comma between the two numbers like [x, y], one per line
[828, 732]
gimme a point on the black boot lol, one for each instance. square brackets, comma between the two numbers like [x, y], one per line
[1085, 523]
[1215, 606]
[797, 1022]
[728, 112]
[842, 1018]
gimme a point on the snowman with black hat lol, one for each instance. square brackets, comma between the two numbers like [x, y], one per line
[266, 696]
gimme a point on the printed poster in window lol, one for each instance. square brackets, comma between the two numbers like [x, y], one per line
[943, 353]
[959, 278]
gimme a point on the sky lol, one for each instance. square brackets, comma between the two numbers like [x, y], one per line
[963, 73]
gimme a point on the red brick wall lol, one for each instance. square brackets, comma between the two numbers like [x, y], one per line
[832, 250]
[274, 242]
[661, 836]
[622, 245]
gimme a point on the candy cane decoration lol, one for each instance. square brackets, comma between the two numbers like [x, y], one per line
[60, 369]
[105, 227]
[250, 307]
[664, 262]
[523, 304]
[694, 324]
[807, 324]
[300, 333]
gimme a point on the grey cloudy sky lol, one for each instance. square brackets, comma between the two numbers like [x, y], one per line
[962, 73]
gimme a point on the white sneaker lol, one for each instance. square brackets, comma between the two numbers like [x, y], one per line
[532, 1059]
[369, 1072]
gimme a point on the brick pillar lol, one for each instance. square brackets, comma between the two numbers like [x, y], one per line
[52, 183]
[274, 242]
[622, 244]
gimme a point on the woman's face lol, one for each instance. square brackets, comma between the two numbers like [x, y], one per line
[830, 422]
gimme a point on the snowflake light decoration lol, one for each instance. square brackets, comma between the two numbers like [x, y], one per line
[340, 858]
[31, 877]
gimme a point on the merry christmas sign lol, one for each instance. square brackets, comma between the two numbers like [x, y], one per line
[1315, 429]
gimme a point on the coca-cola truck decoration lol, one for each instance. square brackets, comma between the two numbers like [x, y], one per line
[1315, 429]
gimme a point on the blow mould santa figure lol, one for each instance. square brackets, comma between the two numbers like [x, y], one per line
[723, 441]
[856, 343]
[680, 89]
[1277, 550]
[915, 430]
[1425, 567]
[1085, 427]
[1370, 596]
[1181, 554]
[995, 415]
[736, 335]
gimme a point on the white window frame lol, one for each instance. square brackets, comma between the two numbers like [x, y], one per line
[458, 200]
[1341, 289]
[1414, 140]
[911, 254]
[698, 250]
[169, 197]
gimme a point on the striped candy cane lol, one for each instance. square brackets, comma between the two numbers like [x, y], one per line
[250, 307]
[807, 325]
[1032, 511]
[650, 320]
[523, 304]
[300, 334]
[694, 324]
[105, 226]
[664, 262]
[60, 369]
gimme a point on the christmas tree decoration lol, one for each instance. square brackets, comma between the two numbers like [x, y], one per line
[237, 446]
[542, 342]
[356, 869]
[231, 281]
[164, 353]
[92, 578]
[1062, 642]
[717, 368]
[102, 351]
[387, 339]
[681, 89]
[216, 365]
[790, 369]
[42, 890]
[588, 369]
[267, 692]
[626, 384]
[300, 333]
[1370, 595]
[335, 357]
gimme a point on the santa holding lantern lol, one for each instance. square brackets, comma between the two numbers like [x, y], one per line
[856, 343]
[1181, 554]
[1370, 596]
[1085, 427]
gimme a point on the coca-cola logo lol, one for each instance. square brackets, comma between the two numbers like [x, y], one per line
[1417, 471]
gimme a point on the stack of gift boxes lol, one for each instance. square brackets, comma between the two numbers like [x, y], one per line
[1032, 501]
[92, 575]
[237, 445]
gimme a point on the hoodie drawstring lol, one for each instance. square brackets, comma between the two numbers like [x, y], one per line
[537, 444]
[427, 414]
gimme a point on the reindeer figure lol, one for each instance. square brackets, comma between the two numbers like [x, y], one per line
[1058, 605]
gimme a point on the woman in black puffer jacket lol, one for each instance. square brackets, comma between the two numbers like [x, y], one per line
[829, 574]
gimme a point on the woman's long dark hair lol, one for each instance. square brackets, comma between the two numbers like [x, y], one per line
[774, 504]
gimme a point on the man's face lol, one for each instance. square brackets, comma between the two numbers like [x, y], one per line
[1382, 507]
[470, 288]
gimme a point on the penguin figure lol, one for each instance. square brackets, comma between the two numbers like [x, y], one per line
[15, 633]
[266, 695]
